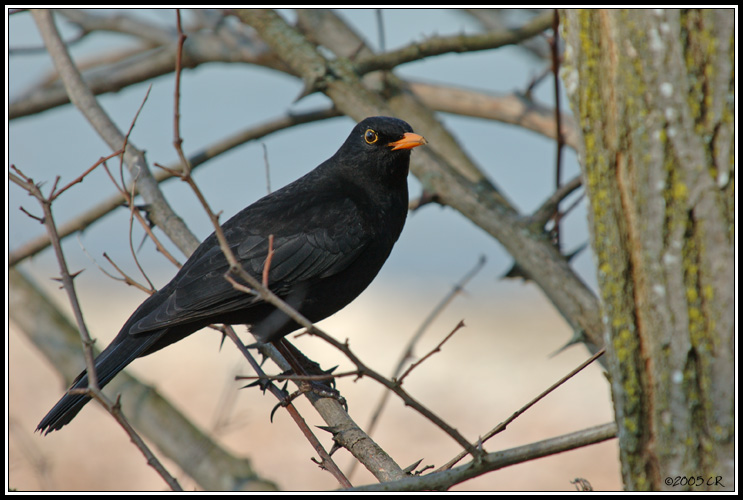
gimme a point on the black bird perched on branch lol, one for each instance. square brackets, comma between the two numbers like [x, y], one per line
[332, 230]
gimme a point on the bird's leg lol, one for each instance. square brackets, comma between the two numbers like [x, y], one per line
[303, 366]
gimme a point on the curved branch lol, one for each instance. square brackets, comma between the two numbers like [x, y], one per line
[478, 201]
[85, 101]
[202, 47]
[92, 215]
[513, 109]
[497, 460]
[36, 315]
[145, 31]
[454, 44]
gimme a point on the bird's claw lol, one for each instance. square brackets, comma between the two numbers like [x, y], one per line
[318, 389]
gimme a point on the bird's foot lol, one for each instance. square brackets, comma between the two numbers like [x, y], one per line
[319, 389]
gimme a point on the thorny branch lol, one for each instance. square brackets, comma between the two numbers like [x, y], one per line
[185, 175]
[364, 65]
[68, 284]
[443, 480]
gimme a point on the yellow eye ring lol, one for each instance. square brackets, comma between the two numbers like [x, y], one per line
[370, 136]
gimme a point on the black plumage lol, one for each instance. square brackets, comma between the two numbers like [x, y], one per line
[333, 230]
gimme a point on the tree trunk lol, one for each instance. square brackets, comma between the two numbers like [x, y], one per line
[653, 91]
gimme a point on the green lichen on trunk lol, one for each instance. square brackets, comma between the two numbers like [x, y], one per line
[653, 92]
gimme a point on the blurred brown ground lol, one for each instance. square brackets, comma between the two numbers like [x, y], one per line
[487, 371]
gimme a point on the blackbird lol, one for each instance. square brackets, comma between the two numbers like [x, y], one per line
[332, 230]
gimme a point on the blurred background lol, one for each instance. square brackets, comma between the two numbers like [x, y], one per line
[500, 361]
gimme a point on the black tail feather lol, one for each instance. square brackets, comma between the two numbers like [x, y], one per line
[122, 351]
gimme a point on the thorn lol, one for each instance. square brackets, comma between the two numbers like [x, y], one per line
[331, 381]
[517, 271]
[117, 403]
[328, 428]
[320, 463]
[579, 336]
[312, 84]
[412, 467]
[273, 412]
[263, 383]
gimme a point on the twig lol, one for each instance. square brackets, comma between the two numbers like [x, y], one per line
[327, 461]
[408, 351]
[186, 445]
[125, 277]
[549, 207]
[445, 479]
[223, 45]
[460, 43]
[315, 378]
[380, 30]
[101, 161]
[177, 139]
[513, 109]
[197, 159]
[128, 198]
[85, 101]
[431, 352]
[502, 426]
[554, 46]
[65, 277]
[68, 284]
[267, 263]
[133, 212]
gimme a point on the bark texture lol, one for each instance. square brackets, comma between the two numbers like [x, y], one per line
[653, 91]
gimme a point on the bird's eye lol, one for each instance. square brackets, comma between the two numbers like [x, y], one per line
[370, 136]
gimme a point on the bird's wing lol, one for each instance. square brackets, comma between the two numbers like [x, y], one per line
[200, 291]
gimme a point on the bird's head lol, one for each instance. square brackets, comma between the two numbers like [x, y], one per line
[380, 145]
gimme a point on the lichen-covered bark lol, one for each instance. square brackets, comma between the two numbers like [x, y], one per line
[653, 91]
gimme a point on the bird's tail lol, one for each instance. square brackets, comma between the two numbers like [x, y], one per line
[122, 351]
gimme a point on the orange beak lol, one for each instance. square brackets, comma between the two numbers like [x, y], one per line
[408, 141]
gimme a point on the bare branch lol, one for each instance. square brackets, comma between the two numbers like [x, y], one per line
[460, 43]
[223, 44]
[81, 96]
[140, 29]
[444, 480]
[432, 351]
[513, 109]
[408, 351]
[182, 442]
[197, 159]
[502, 426]
[93, 389]
[479, 201]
